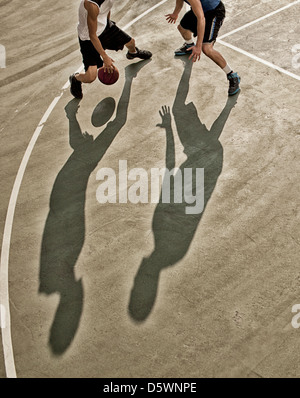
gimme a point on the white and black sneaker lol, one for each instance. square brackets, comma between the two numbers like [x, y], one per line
[184, 49]
[75, 87]
[142, 54]
[234, 83]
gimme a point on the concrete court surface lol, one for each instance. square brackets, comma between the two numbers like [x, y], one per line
[145, 290]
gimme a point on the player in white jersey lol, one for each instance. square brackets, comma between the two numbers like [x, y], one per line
[97, 33]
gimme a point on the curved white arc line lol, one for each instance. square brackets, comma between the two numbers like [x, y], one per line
[5, 252]
[4, 298]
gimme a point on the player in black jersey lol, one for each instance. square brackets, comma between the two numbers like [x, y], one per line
[203, 21]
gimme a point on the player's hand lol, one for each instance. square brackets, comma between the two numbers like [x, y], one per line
[165, 115]
[171, 18]
[195, 53]
[108, 64]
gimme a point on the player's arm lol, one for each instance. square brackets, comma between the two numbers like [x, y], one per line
[93, 12]
[172, 18]
[198, 11]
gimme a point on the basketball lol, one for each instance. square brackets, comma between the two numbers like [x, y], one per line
[108, 78]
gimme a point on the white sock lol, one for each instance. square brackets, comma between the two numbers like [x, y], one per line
[191, 41]
[227, 69]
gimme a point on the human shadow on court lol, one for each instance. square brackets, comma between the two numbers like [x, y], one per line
[64, 231]
[172, 228]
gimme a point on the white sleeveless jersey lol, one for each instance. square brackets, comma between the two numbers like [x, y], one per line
[82, 27]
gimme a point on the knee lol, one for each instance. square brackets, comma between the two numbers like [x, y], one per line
[131, 43]
[207, 50]
[180, 28]
[91, 77]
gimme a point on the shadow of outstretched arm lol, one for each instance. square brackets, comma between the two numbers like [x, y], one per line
[218, 125]
[170, 145]
[183, 87]
[104, 140]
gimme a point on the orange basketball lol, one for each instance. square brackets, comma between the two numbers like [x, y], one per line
[108, 78]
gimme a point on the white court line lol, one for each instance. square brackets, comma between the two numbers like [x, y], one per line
[254, 57]
[262, 61]
[4, 263]
[4, 292]
[259, 19]
[144, 14]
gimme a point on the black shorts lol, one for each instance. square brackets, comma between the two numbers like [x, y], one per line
[213, 22]
[113, 38]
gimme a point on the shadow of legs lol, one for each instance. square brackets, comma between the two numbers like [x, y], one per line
[67, 318]
[144, 291]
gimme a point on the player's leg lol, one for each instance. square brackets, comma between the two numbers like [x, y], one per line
[187, 27]
[209, 50]
[186, 34]
[131, 46]
[233, 78]
[89, 76]
[114, 38]
[134, 52]
[92, 61]
[77, 79]
[213, 23]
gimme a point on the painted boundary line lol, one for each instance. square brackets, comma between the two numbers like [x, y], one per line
[254, 57]
[4, 291]
[4, 262]
[262, 61]
[259, 19]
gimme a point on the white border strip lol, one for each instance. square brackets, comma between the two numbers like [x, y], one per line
[4, 285]
[259, 19]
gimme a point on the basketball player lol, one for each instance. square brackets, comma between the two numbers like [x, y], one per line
[203, 21]
[98, 33]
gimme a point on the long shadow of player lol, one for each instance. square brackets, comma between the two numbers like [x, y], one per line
[64, 231]
[173, 228]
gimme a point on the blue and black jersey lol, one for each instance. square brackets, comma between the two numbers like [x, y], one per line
[208, 5]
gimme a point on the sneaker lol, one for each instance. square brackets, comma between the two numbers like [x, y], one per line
[234, 81]
[142, 54]
[76, 87]
[184, 49]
